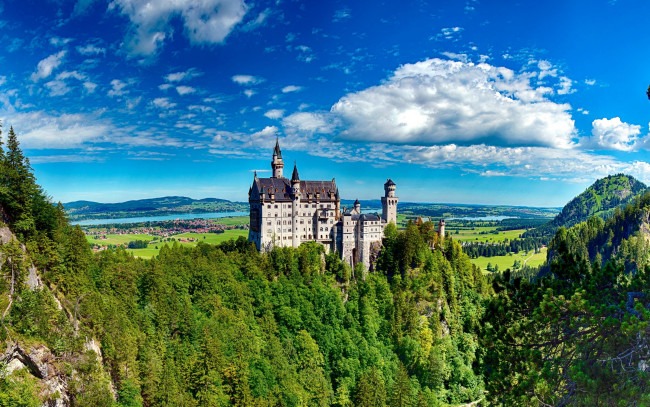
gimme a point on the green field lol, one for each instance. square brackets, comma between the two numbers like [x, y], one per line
[507, 261]
[475, 236]
[154, 248]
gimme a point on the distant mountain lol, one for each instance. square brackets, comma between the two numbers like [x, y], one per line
[600, 199]
[81, 210]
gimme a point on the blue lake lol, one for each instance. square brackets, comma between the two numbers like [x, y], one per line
[179, 216]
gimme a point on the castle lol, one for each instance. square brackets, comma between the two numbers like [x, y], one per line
[287, 212]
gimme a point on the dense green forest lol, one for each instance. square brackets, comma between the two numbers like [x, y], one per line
[226, 325]
[577, 335]
[223, 325]
[600, 199]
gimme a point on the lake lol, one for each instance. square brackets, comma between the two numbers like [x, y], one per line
[179, 216]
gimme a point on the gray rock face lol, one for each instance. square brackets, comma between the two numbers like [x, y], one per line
[39, 361]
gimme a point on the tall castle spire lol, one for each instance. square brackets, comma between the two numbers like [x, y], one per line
[277, 164]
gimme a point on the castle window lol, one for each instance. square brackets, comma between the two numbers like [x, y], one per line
[275, 206]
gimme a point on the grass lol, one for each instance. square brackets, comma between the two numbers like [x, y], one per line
[153, 248]
[234, 220]
[475, 236]
[507, 261]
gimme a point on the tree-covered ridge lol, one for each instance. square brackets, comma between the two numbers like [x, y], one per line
[224, 325]
[579, 334]
[220, 325]
[80, 210]
[600, 199]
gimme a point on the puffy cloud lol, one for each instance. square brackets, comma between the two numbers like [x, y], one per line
[118, 88]
[309, 123]
[205, 21]
[185, 90]
[42, 131]
[181, 76]
[249, 93]
[438, 101]
[47, 65]
[247, 80]
[612, 134]
[57, 88]
[163, 103]
[291, 88]
[274, 113]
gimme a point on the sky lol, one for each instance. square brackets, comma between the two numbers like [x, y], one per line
[474, 101]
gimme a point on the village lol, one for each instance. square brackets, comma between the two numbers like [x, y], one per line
[150, 236]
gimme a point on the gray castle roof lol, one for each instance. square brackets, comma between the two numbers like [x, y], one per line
[276, 150]
[389, 182]
[295, 176]
[281, 188]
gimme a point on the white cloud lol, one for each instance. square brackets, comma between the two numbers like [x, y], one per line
[612, 134]
[247, 80]
[47, 65]
[291, 88]
[163, 103]
[438, 101]
[90, 86]
[201, 108]
[118, 88]
[448, 33]
[274, 113]
[590, 82]
[565, 86]
[57, 88]
[91, 49]
[342, 14]
[58, 41]
[165, 86]
[42, 131]
[310, 123]
[185, 90]
[249, 93]
[205, 21]
[181, 76]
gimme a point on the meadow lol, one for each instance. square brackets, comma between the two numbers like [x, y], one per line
[506, 262]
[483, 234]
[154, 247]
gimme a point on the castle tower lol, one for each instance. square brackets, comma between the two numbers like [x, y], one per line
[338, 204]
[389, 202]
[441, 228]
[277, 164]
[295, 207]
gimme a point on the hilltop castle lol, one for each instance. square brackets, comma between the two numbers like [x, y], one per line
[287, 212]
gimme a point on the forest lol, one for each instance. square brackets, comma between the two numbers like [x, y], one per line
[223, 325]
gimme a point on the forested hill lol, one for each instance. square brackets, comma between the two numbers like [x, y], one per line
[224, 325]
[79, 210]
[578, 335]
[600, 199]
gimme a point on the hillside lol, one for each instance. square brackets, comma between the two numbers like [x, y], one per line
[81, 210]
[600, 199]
[577, 334]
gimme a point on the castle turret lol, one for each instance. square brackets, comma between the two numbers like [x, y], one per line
[441, 228]
[277, 164]
[389, 202]
[295, 207]
[338, 204]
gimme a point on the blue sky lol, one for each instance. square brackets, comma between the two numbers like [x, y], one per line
[484, 102]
